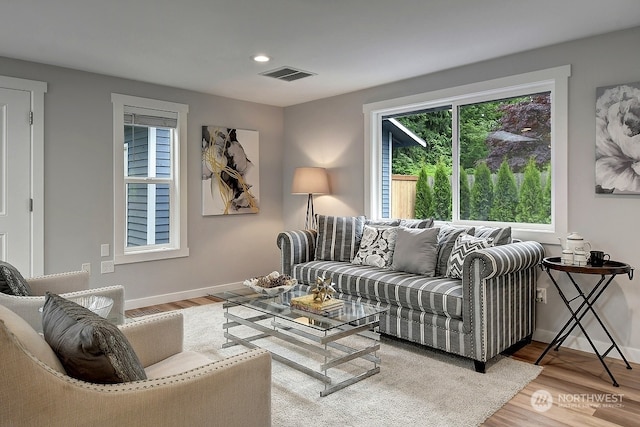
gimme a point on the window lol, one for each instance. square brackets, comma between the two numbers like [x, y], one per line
[149, 179]
[490, 153]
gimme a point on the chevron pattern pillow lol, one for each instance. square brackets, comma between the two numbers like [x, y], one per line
[463, 246]
[446, 239]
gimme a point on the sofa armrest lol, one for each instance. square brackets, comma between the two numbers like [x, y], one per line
[505, 259]
[61, 283]
[499, 285]
[296, 247]
[155, 338]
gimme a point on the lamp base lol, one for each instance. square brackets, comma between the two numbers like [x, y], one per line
[310, 222]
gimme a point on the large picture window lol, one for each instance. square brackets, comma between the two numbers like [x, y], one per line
[491, 153]
[150, 182]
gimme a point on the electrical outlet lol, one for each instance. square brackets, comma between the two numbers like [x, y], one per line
[86, 267]
[106, 267]
[541, 295]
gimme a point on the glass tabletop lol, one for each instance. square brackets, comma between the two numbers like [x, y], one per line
[352, 312]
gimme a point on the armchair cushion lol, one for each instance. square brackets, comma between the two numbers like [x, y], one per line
[30, 340]
[89, 347]
[12, 282]
[176, 364]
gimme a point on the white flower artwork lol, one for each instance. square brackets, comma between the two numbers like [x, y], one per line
[618, 139]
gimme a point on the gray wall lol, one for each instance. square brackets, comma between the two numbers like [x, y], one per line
[330, 133]
[79, 184]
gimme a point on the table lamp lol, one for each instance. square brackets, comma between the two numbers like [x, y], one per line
[310, 181]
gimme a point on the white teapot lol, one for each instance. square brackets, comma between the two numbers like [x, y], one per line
[575, 242]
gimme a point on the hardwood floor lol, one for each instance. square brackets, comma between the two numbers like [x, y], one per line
[581, 390]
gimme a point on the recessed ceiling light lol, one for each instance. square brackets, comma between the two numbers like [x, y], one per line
[261, 58]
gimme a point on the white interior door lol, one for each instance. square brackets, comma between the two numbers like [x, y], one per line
[15, 179]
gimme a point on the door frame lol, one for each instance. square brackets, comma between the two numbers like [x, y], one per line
[37, 89]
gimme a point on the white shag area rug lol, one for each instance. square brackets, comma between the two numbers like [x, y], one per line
[416, 386]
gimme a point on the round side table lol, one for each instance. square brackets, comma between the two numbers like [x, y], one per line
[607, 272]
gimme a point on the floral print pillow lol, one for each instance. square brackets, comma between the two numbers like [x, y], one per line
[376, 246]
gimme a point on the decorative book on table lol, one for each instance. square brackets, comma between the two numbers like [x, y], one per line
[307, 303]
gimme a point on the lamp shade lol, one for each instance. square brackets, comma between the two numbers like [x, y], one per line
[310, 181]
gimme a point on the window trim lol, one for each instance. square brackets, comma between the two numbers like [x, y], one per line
[178, 203]
[557, 80]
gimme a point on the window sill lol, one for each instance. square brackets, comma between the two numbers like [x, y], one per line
[151, 255]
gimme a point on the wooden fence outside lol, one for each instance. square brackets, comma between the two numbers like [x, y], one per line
[403, 201]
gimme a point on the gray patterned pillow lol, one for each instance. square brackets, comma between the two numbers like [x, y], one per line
[463, 246]
[89, 347]
[446, 239]
[338, 237]
[376, 246]
[12, 282]
[500, 236]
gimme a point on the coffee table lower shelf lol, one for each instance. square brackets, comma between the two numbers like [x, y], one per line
[324, 343]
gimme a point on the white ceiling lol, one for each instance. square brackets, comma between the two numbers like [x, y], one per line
[206, 45]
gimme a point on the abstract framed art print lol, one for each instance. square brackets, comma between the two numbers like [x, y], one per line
[230, 171]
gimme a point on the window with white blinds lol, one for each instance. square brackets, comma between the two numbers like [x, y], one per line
[149, 179]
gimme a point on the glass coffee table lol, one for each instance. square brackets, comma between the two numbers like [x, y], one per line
[316, 344]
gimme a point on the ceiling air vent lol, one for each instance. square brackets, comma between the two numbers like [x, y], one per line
[287, 74]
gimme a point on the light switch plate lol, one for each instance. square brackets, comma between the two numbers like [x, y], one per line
[86, 267]
[104, 249]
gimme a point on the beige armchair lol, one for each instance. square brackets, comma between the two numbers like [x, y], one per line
[183, 389]
[68, 285]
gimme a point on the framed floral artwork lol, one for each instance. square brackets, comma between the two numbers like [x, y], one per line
[618, 139]
[230, 171]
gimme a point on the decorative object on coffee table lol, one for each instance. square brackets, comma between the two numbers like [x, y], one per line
[311, 304]
[320, 300]
[271, 284]
[324, 289]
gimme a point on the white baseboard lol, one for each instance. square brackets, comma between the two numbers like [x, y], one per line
[178, 296]
[582, 344]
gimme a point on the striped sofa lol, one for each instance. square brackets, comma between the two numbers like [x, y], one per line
[479, 316]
